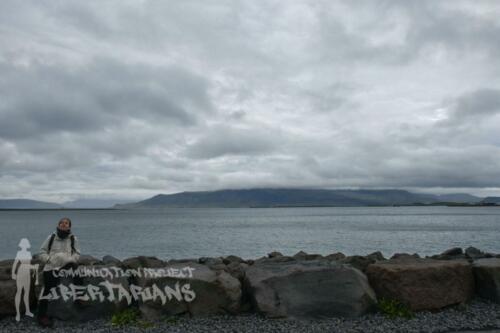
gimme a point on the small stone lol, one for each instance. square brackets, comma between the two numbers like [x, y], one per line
[455, 251]
[335, 256]
[274, 254]
[376, 255]
[107, 259]
[229, 259]
[405, 256]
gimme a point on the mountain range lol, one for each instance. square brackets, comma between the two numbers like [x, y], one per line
[27, 204]
[269, 197]
[265, 197]
[77, 204]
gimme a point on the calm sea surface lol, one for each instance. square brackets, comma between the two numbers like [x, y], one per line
[253, 232]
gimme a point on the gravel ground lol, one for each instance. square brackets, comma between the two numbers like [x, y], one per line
[477, 315]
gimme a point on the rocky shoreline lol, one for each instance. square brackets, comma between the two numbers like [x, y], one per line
[452, 291]
[477, 316]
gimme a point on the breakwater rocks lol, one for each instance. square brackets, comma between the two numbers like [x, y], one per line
[276, 286]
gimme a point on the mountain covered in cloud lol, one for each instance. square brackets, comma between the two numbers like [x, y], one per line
[458, 197]
[491, 200]
[27, 204]
[259, 197]
[270, 197]
[74, 204]
[92, 203]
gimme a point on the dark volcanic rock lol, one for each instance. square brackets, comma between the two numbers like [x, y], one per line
[229, 259]
[423, 284]
[315, 288]
[211, 261]
[89, 260]
[236, 270]
[215, 292]
[301, 255]
[274, 259]
[487, 276]
[101, 306]
[110, 260]
[216, 264]
[455, 251]
[405, 256]
[335, 256]
[142, 261]
[274, 254]
[359, 262]
[474, 253]
[377, 256]
[7, 288]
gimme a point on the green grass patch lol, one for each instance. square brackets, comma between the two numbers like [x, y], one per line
[130, 317]
[394, 309]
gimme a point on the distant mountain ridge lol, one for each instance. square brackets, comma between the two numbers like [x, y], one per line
[459, 197]
[27, 204]
[92, 203]
[261, 197]
[491, 200]
[271, 197]
[75, 204]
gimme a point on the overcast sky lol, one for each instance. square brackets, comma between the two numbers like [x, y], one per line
[128, 99]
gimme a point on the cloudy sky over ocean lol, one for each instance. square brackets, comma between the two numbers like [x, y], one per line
[128, 99]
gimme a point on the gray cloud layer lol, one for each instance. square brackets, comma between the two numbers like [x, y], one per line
[126, 99]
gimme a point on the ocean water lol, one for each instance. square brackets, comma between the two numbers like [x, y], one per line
[254, 232]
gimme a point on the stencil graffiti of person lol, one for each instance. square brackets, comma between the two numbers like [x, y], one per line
[22, 275]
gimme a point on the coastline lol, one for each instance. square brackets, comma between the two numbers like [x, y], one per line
[441, 293]
[273, 206]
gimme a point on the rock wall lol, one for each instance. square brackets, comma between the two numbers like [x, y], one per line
[303, 285]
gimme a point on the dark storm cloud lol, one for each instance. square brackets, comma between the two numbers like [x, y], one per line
[392, 32]
[455, 26]
[42, 99]
[477, 104]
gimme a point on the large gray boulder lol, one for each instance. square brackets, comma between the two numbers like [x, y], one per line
[88, 260]
[216, 264]
[301, 255]
[230, 259]
[105, 291]
[274, 254]
[487, 276]
[335, 256]
[405, 256]
[314, 288]
[203, 292]
[359, 262]
[273, 259]
[474, 253]
[110, 260]
[455, 253]
[7, 294]
[422, 284]
[7, 289]
[142, 262]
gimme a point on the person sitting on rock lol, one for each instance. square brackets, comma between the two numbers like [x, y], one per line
[59, 251]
